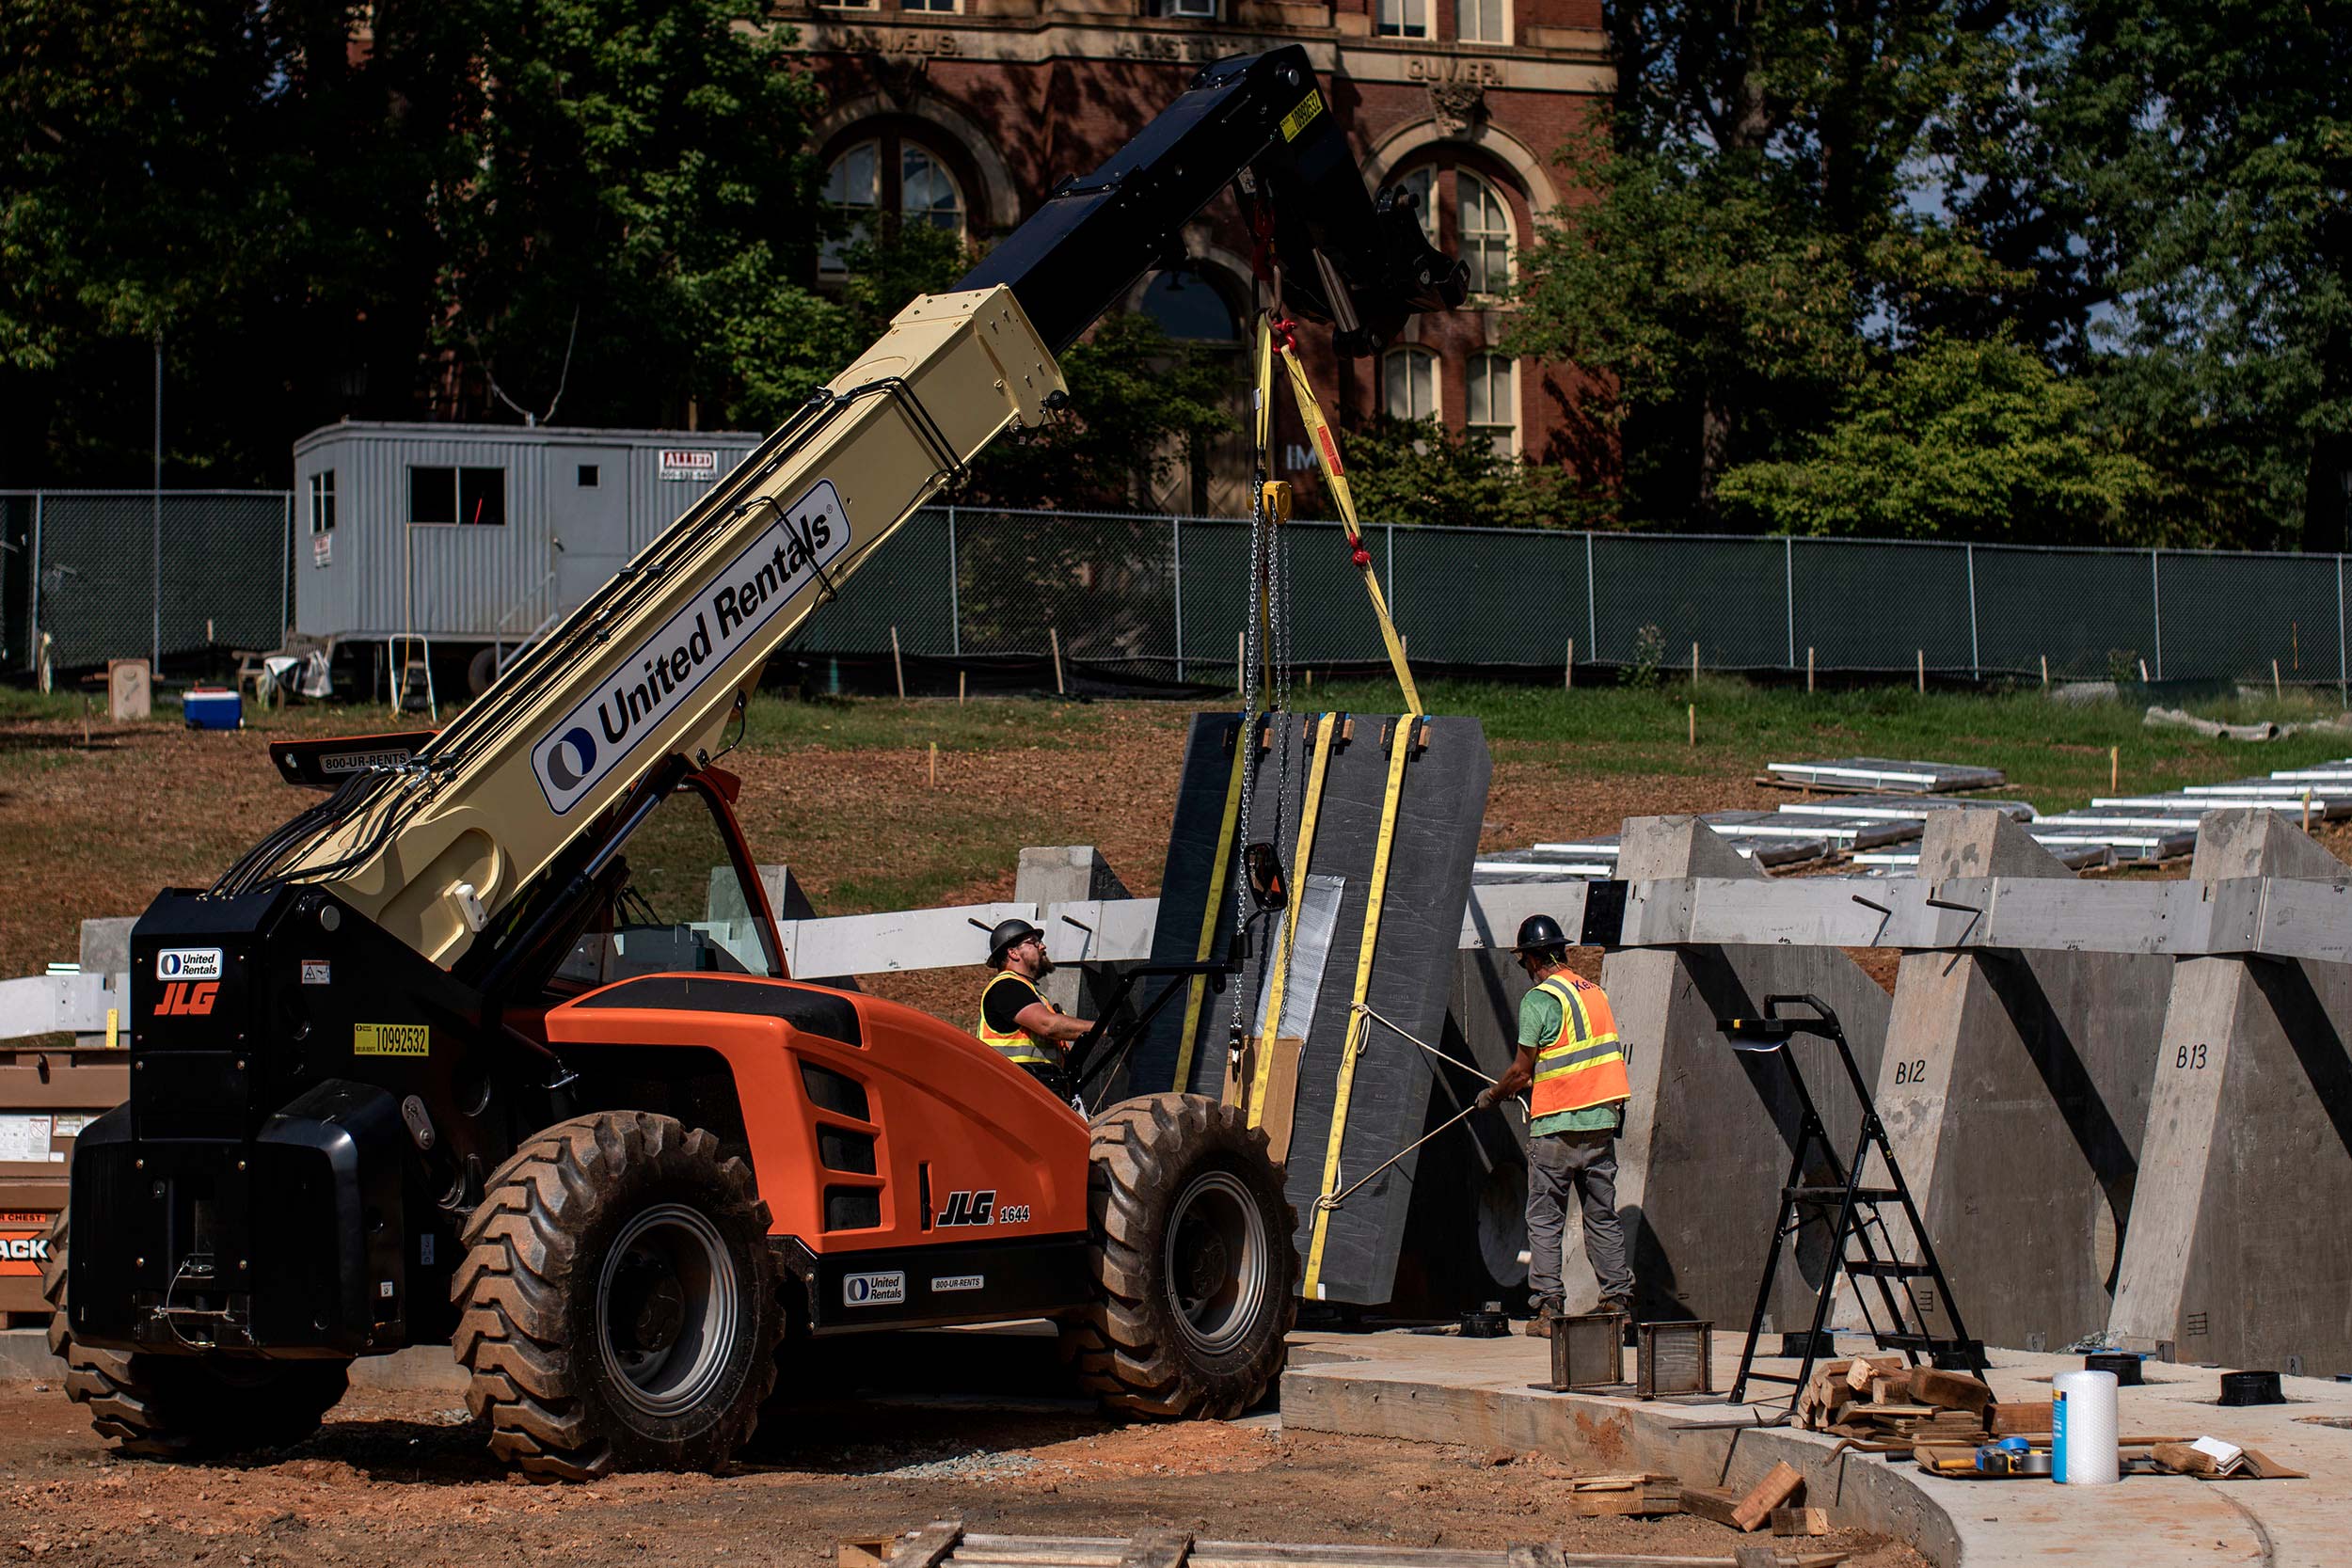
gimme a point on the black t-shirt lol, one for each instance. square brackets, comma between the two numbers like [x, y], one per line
[1007, 995]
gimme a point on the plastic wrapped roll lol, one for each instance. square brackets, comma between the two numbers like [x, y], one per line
[2083, 1429]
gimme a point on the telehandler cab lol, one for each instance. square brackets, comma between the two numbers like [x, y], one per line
[494, 1044]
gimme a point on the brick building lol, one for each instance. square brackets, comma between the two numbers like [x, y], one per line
[963, 113]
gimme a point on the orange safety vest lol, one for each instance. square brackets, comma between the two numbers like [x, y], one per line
[1015, 1047]
[1583, 1066]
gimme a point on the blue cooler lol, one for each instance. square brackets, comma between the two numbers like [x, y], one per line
[214, 708]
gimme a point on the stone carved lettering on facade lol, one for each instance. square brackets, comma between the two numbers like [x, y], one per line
[1451, 71]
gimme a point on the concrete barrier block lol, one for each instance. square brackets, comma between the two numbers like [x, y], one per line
[2014, 1088]
[2236, 1252]
[1710, 1132]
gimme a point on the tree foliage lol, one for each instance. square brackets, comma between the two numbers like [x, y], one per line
[1415, 472]
[1957, 439]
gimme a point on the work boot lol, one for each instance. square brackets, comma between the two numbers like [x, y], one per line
[1616, 1304]
[1539, 1326]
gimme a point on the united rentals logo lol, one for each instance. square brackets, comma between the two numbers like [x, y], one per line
[755, 588]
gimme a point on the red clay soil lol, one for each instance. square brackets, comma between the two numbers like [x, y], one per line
[406, 1479]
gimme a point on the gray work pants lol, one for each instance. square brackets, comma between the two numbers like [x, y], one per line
[1586, 1164]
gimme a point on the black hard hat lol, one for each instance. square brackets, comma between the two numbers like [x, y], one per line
[1007, 933]
[1539, 933]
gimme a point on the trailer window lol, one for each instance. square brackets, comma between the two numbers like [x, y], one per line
[323, 502]
[457, 496]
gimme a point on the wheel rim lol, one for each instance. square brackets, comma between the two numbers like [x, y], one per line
[666, 1309]
[1215, 1260]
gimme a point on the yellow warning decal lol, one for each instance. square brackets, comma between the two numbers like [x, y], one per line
[1302, 117]
[391, 1040]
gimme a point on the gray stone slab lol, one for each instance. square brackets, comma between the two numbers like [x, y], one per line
[1069, 874]
[1709, 1131]
[2237, 1251]
[2014, 1088]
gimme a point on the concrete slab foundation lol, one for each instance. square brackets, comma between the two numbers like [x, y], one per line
[1710, 1132]
[2013, 1089]
[2237, 1250]
[1441, 1389]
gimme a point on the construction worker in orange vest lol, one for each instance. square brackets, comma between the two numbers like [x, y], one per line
[1016, 1020]
[1568, 1052]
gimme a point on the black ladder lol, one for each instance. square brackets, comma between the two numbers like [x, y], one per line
[1860, 1236]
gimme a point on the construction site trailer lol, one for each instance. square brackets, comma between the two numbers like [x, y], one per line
[470, 535]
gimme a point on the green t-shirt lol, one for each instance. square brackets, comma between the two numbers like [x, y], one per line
[1540, 1025]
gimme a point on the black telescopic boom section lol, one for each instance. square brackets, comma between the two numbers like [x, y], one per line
[1362, 265]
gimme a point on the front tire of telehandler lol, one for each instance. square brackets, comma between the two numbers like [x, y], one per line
[1193, 1260]
[184, 1406]
[618, 1304]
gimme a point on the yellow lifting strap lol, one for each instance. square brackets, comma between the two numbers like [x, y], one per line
[1335, 475]
[1277, 976]
[1400, 746]
[1197, 986]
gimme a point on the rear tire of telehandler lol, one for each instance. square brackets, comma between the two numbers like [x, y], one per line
[1192, 1258]
[617, 1304]
[185, 1406]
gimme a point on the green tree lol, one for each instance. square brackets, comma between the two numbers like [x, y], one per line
[1418, 472]
[2200, 158]
[1754, 228]
[1958, 440]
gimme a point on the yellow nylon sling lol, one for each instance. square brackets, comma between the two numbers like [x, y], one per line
[1335, 475]
[1278, 978]
[1400, 746]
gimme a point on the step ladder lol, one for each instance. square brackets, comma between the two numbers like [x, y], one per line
[1862, 1249]
[410, 656]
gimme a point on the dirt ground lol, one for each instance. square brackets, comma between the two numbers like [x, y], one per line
[406, 1479]
[96, 826]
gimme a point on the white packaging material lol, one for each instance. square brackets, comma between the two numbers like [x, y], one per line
[2082, 1429]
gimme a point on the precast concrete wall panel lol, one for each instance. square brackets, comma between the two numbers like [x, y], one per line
[1440, 806]
[1710, 1130]
[2238, 1252]
[2014, 1088]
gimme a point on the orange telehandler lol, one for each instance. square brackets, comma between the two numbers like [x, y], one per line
[494, 1044]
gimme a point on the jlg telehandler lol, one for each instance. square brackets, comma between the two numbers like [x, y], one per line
[495, 1045]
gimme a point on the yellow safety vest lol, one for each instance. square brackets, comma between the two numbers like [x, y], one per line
[1015, 1047]
[1583, 1066]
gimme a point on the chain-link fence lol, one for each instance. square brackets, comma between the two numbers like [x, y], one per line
[125, 574]
[1163, 598]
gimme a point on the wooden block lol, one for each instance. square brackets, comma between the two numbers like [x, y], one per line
[2021, 1419]
[1890, 1412]
[1890, 1388]
[1780, 1483]
[1949, 1390]
[1859, 1370]
[871, 1552]
[1712, 1502]
[2264, 1467]
[1165, 1549]
[929, 1547]
[1801, 1521]
[1640, 1501]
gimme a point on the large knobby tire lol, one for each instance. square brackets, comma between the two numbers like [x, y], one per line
[1193, 1260]
[185, 1406]
[618, 1306]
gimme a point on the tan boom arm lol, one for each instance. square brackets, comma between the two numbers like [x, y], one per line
[655, 662]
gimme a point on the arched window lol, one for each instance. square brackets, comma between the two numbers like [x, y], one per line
[928, 193]
[1408, 384]
[1422, 184]
[852, 189]
[1482, 219]
[1189, 308]
[891, 174]
[1491, 405]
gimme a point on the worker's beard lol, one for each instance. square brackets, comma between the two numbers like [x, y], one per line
[1044, 967]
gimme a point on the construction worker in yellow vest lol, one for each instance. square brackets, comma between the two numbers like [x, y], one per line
[1016, 1020]
[1568, 1052]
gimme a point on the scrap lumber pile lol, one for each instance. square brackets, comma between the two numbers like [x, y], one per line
[1877, 1399]
[945, 1544]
